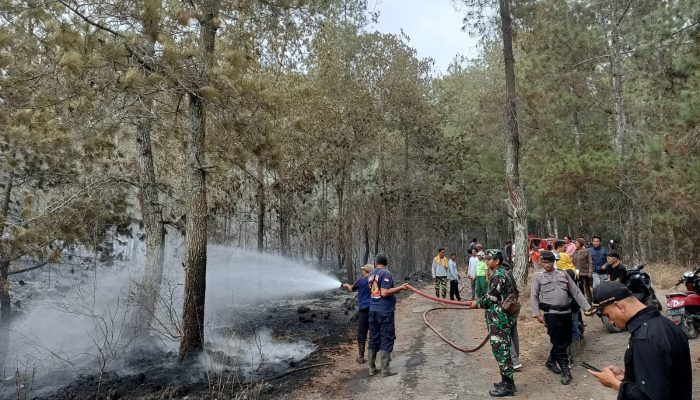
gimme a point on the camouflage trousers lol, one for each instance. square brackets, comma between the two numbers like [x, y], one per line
[500, 327]
[441, 286]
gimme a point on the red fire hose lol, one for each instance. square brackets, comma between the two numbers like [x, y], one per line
[453, 302]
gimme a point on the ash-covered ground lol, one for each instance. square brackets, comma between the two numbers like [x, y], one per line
[260, 351]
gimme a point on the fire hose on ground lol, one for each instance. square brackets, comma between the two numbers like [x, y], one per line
[462, 305]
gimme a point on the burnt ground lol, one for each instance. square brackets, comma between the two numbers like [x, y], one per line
[326, 321]
[429, 369]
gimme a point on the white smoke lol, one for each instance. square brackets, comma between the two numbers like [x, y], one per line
[79, 322]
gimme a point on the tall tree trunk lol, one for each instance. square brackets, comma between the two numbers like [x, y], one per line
[377, 231]
[671, 238]
[5, 256]
[284, 218]
[324, 222]
[340, 233]
[192, 339]
[516, 194]
[407, 261]
[151, 210]
[365, 259]
[261, 207]
[152, 214]
[626, 204]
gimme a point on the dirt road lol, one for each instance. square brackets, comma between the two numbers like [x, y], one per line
[429, 369]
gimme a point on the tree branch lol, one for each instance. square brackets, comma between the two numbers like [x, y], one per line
[41, 264]
[150, 67]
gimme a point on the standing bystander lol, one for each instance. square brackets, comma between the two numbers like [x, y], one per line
[599, 256]
[481, 283]
[439, 271]
[473, 260]
[453, 276]
[583, 262]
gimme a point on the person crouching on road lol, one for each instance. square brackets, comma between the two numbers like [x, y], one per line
[363, 300]
[381, 316]
[440, 267]
[453, 276]
[499, 322]
[657, 360]
[555, 286]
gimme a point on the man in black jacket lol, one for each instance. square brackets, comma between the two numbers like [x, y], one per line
[657, 360]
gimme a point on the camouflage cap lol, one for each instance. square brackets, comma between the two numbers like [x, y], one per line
[493, 252]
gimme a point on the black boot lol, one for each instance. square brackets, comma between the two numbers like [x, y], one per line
[361, 354]
[565, 372]
[501, 383]
[552, 366]
[505, 388]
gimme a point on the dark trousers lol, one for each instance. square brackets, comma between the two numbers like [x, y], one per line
[559, 331]
[585, 283]
[454, 290]
[362, 328]
[381, 331]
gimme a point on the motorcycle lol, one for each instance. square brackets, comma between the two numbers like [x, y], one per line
[684, 307]
[639, 283]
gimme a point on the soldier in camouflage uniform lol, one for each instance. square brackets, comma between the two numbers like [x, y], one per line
[499, 323]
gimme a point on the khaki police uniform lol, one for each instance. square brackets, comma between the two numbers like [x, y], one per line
[551, 292]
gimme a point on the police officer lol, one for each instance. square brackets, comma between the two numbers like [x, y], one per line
[657, 360]
[555, 286]
[499, 323]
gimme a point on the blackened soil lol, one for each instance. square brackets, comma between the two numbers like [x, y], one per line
[327, 321]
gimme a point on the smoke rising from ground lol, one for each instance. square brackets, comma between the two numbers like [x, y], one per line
[80, 323]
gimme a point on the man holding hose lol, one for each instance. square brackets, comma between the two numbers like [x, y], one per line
[382, 331]
[498, 322]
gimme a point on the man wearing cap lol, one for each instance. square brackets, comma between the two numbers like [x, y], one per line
[555, 286]
[439, 270]
[616, 271]
[498, 322]
[382, 332]
[657, 360]
[363, 300]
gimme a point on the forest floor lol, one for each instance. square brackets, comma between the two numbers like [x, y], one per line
[429, 369]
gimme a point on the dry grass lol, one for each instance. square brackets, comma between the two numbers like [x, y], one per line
[665, 276]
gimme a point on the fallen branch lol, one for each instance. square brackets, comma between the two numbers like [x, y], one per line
[28, 269]
[291, 371]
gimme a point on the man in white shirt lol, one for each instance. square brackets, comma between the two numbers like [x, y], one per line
[473, 259]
